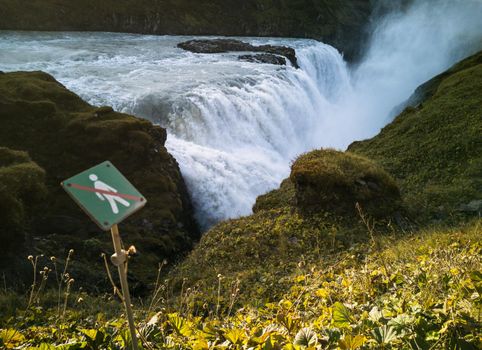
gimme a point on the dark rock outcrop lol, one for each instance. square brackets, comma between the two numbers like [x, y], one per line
[64, 135]
[22, 186]
[264, 58]
[231, 45]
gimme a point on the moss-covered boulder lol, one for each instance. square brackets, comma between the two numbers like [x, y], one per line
[326, 180]
[434, 147]
[335, 181]
[64, 135]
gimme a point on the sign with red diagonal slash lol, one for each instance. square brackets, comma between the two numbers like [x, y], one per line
[104, 194]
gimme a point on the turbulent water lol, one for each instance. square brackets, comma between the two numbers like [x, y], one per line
[234, 127]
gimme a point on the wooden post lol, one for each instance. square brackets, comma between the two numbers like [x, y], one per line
[119, 259]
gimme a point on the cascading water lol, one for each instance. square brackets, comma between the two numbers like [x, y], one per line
[242, 135]
[234, 127]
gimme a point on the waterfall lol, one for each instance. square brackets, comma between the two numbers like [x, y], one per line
[243, 134]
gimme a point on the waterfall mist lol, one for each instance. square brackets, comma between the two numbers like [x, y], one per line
[408, 46]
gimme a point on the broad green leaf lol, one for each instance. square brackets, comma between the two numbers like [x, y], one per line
[180, 324]
[351, 343]
[11, 338]
[290, 323]
[200, 344]
[235, 336]
[384, 334]
[401, 322]
[375, 314]
[341, 315]
[306, 337]
[476, 277]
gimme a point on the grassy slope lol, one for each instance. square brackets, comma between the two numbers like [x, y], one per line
[434, 149]
[420, 292]
[64, 135]
[337, 22]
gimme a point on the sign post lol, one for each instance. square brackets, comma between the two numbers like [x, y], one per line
[119, 259]
[108, 198]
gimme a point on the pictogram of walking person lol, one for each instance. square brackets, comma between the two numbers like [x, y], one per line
[111, 198]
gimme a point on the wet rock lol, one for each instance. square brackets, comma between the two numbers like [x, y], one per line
[264, 58]
[215, 46]
[232, 45]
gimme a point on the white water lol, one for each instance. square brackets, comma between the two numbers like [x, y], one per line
[234, 127]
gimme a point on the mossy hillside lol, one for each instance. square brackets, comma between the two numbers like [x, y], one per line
[64, 135]
[434, 148]
[339, 23]
[308, 221]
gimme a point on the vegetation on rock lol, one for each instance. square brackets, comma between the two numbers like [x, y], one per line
[336, 181]
[64, 135]
[324, 207]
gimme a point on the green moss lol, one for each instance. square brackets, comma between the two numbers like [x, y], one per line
[263, 250]
[336, 181]
[64, 135]
[278, 198]
[434, 149]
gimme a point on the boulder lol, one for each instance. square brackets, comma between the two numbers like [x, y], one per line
[264, 58]
[335, 181]
[22, 186]
[60, 135]
[232, 45]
